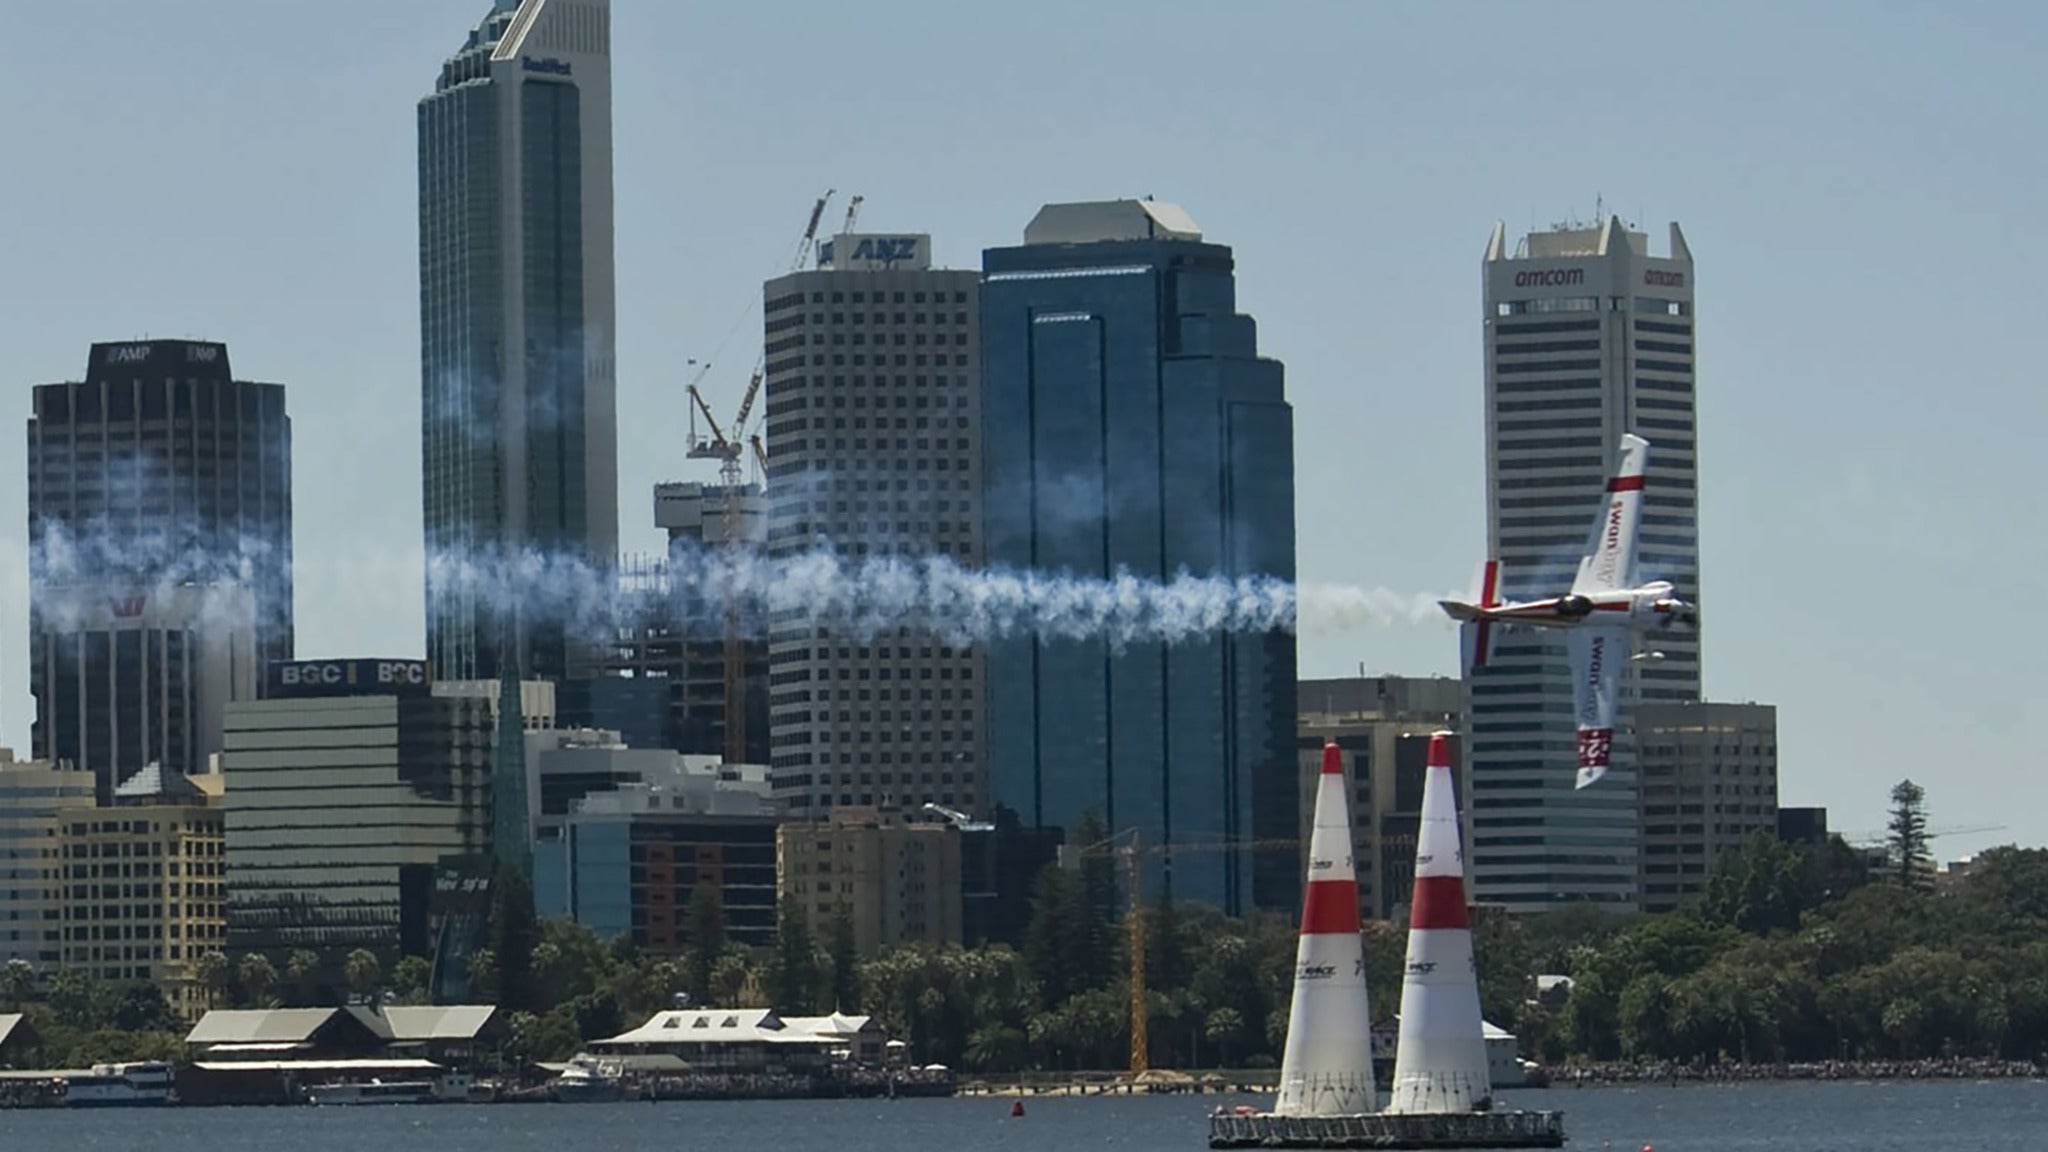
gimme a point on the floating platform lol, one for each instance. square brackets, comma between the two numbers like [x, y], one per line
[1390, 1130]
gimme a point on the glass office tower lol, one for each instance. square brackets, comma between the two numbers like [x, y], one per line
[1130, 425]
[518, 430]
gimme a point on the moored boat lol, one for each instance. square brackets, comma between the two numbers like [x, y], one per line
[588, 1080]
[452, 1088]
[142, 1083]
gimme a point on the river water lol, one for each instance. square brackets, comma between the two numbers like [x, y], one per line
[1923, 1117]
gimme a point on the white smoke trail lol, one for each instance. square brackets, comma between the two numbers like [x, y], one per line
[865, 596]
[851, 595]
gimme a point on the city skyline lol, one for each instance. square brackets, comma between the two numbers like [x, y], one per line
[1376, 331]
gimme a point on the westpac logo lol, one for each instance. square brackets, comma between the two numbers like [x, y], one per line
[548, 66]
[127, 607]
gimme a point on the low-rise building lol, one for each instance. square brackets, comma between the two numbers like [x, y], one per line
[445, 1034]
[1382, 724]
[345, 789]
[18, 1039]
[896, 881]
[627, 862]
[34, 796]
[143, 884]
[565, 765]
[266, 1056]
[751, 1040]
[1708, 780]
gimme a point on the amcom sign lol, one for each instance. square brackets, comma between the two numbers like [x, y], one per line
[1550, 278]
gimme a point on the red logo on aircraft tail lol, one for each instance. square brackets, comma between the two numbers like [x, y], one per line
[1595, 745]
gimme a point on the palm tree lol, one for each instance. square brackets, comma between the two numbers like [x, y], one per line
[259, 976]
[300, 968]
[363, 972]
[20, 981]
[214, 974]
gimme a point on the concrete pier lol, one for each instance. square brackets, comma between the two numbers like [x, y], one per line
[1390, 1130]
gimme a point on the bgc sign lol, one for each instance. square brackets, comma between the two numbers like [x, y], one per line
[368, 677]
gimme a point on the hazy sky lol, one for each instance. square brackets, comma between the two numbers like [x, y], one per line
[1861, 186]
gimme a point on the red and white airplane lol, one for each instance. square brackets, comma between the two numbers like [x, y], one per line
[1602, 614]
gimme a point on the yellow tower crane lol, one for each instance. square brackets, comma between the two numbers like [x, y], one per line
[1126, 845]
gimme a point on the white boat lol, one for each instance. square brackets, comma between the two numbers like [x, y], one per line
[453, 1087]
[589, 1081]
[139, 1084]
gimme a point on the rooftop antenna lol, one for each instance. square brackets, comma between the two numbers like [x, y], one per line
[1599, 209]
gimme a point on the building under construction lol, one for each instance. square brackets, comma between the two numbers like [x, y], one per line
[681, 638]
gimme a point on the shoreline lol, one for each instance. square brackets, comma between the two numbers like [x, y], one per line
[1664, 1075]
[1261, 1082]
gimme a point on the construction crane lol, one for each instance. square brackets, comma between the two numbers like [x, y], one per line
[1882, 839]
[852, 211]
[1126, 845]
[728, 451]
[809, 243]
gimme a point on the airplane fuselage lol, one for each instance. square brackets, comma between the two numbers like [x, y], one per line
[1652, 605]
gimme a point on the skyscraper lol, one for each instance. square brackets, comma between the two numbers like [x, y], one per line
[160, 518]
[1588, 336]
[1130, 424]
[518, 431]
[873, 450]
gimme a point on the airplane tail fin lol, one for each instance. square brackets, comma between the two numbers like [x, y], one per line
[1476, 637]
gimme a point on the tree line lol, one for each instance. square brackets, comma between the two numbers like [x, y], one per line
[1793, 953]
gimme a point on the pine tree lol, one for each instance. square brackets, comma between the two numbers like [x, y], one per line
[513, 933]
[793, 982]
[845, 966]
[1909, 849]
[707, 941]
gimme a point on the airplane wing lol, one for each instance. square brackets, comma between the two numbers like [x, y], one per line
[1475, 637]
[1597, 655]
[1610, 561]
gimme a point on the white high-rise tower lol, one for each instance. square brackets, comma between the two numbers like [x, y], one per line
[1588, 336]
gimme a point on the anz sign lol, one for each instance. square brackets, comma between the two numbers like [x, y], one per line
[886, 249]
[870, 252]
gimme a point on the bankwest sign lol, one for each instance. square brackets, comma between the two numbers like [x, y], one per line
[368, 677]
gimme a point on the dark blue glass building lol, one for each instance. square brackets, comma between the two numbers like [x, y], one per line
[1130, 424]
